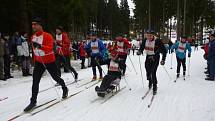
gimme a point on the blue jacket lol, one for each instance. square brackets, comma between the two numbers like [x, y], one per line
[181, 54]
[101, 48]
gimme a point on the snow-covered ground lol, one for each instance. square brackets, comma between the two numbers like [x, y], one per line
[190, 100]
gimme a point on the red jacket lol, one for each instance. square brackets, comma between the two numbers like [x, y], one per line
[82, 50]
[122, 46]
[206, 46]
[63, 44]
[45, 54]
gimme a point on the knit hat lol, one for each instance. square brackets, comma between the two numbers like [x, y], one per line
[38, 20]
[150, 31]
[60, 28]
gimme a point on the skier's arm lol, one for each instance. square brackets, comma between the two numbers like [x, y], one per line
[163, 50]
[142, 46]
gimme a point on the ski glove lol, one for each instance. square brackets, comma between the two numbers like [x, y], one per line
[37, 45]
[162, 62]
[189, 55]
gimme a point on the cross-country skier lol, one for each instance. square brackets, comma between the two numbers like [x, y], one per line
[181, 47]
[63, 51]
[96, 49]
[153, 47]
[113, 75]
[122, 46]
[44, 57]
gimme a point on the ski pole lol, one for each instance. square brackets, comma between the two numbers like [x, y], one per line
[66, 65]
[171, 60]
[189, 67]
[141, 72]
[127, 83]
[100, 66]
[167, 73]
[132, 64]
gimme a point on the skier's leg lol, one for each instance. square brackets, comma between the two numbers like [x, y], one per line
[154, 72]
[37, 74]
[183, 61]
[93, 64]
[178, 66]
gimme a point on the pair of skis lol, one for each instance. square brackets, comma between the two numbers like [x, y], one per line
[59, 85]
[47, 107]
[152, 98]
[4, 98]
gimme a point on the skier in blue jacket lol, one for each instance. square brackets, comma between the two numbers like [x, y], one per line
[96, 49]
[181, 48]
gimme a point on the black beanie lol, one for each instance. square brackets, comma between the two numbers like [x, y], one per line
[38, 20]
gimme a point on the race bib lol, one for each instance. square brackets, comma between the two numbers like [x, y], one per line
[149, 47]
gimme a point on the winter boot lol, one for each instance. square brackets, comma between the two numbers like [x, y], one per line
[30, 107]
[65, 92]
[154, 89]
[99, 91]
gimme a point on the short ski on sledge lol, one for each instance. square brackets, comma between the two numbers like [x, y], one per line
[112, 94]
[21, 114]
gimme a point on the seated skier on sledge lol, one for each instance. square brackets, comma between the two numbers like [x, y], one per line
[113, 77]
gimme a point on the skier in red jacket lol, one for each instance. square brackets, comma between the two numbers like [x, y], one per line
[63, 51]
[122, 46]
[42, 44]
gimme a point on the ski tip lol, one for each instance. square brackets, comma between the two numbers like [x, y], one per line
[148, 106]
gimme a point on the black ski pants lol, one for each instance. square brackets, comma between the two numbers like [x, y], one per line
[38, 71]
[179, 63]
[151, 65]
[96, 63]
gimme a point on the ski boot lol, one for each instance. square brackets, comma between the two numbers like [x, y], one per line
[30, 107]
[76, 77]
[100, 78]
[177, 76]
[94, 78]
[65, 93]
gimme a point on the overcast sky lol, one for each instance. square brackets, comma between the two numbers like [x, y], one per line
[131, 5]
